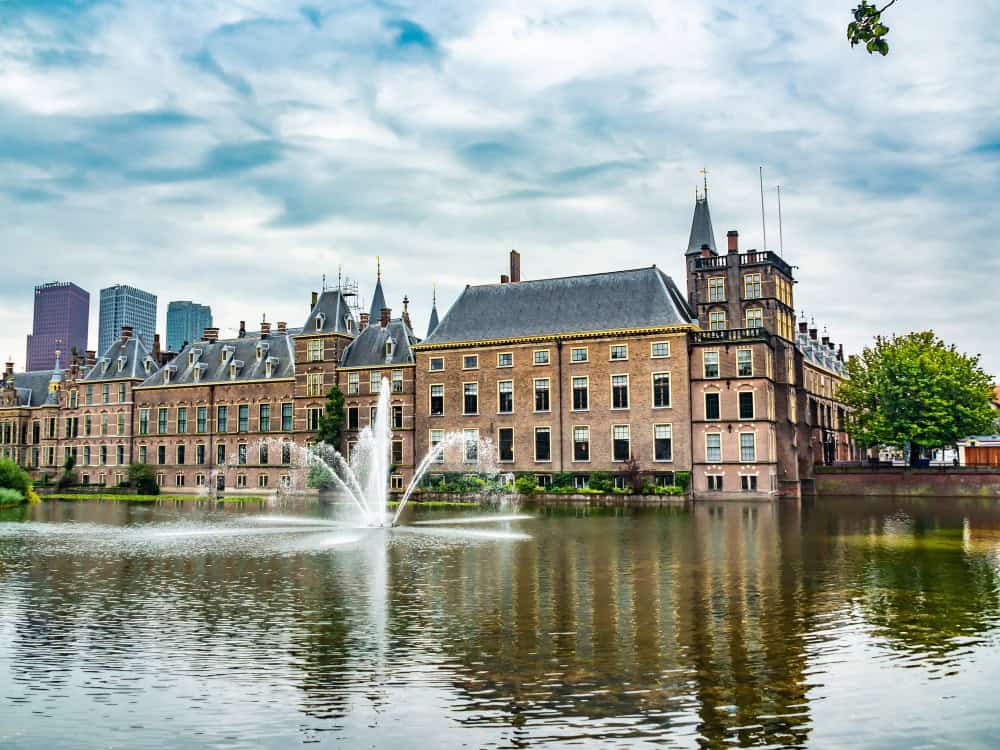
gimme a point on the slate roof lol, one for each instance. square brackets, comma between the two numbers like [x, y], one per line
[32, 387]
[134, 352]
[433, 324]
[701, 228]
[819, 355]
[368, 349]
[333, 307]
[378, 303]
[213, 358]
[639, 298]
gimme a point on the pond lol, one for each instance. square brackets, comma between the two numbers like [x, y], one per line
[838, 623]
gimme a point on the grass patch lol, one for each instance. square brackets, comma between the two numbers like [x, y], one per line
[437, 503]
[151, 498]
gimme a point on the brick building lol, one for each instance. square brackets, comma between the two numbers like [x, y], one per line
[598, 372]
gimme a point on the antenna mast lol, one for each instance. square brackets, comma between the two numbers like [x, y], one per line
[781, 231]
[763, 221]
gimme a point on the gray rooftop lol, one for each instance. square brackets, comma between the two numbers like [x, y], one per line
[701, 228]
[368, 349]
[819, 355]
[132, 354]
[378, 303]
[32, 387]
[433, 323]
[213, 360]
[639, 298]
[334, 315]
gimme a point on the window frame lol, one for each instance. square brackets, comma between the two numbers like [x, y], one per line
[465, 361]
[718, 397]
[505, 354]
[739, 405]
[430, 364]
[756, 286]
[753, 447]
[704, 364]
[586, 355]
[739, 351]
[534, 395]
[513, 455]
[534, 357]
[628, 396]
[628, 428]
[708, 448]
[534, 443]
[574, 441]
[712, 286]
[759, 313]
[465, 395]
[430, 399]
[501, 383]
[611, 353]
[572, 388]
[670, 390]
[670, 428]
[652, 351]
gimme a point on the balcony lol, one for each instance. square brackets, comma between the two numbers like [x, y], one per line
[711, 262]
[765, 257]
[731, 336]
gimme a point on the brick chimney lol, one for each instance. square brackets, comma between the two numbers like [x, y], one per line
[265, 329]
[91, 357]
[126, 333]
[515, 266]
[282, 328]
[840, 352]
[825, 340]
[386, 315]
[363, 320]
[812, 333]
[8, 369]
[504, 278]
[210, 334]
[706, 251]
[156, 345]
[406, 312]
[243, 329]
[803, 326]
[315, 299]
[733, 238]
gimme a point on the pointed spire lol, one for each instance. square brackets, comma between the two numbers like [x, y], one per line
[378, 297]
[701, 227]
[434, 313]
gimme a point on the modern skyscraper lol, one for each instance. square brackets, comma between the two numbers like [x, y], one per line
[186, 322]
[62, 312]
[123, 305]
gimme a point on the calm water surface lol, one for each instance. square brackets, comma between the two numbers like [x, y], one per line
[835, 624]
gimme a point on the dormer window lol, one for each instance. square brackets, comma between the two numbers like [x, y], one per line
[349, 324]
[269, 365]
[193, 356]
[320, 320]
[168, 373]
[388, 349]
[227, 351]
[199, 369]
[262, 349]
[121, 364]
[105, 363]
[234, 368]
[147, 365]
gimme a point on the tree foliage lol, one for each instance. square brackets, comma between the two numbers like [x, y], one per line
[915, 389]
[867, 28]
[143, 479]
[331, 421]
[13, 477]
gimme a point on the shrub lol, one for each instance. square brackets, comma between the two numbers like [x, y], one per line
[562, 479]
[9, 496]
[32, 496]
[526, 484]
[67, 479]
[601, 481]
[319, 478]
[143, 479]
[13, 477]
[682, 479]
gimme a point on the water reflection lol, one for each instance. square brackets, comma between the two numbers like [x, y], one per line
[713, 626]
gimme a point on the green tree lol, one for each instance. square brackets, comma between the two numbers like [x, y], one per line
[331, 421]
[13, 477]
[143, 479]
[867, 28]
[915, 389]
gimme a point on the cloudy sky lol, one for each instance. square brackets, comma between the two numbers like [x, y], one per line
[234, 152]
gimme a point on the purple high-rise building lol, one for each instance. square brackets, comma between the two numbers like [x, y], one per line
[62, 316]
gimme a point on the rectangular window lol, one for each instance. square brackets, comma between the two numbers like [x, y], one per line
[436, 364]
[104, 424]
[715, 482]
[397, 417]
[713, 447]
[179, 480]
[659, 349]
[581, 443]
[353, 382]
[314, 384]
[374, 382]
[505, 397]
[717, 289]
[755, 318]
[541, 356]
[121, 424]
[86, 455]
[396, 482]
[505, 444]
[106, 393]
[470, 362]
[88, 425]
[241, 454]
[120, 454]
[541, 394]
[619, 391]
[471, 448]
[312, 418]
[180, 455]
[578, 354]
[663, 442]
[201, 425]
[241, 481]
[397, 452]
[744, 363]
[220, 454]
[746, 404]
[621, 449]
[543, 444]
[161, 455]
[286, 453]
[244, 418]
[90, 395]
[748, 483]
[437, 400]
[222, 418]
[161, 422]
[182, 420]
[199, 455]
[315, 350]
[264, 417]
[286, 417]
[661, 390]
[142, 455]
[505, 359]
[712, 408]
[262, 481]
[353, 418]
[748, 447]
[581, 394]
[711, 361]
[751, 286]
[121, 393]
[262, 454]
[437, 436]
[716, 320]
[397, 381]
[372, 413]
[470, 398]
[619, 352]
